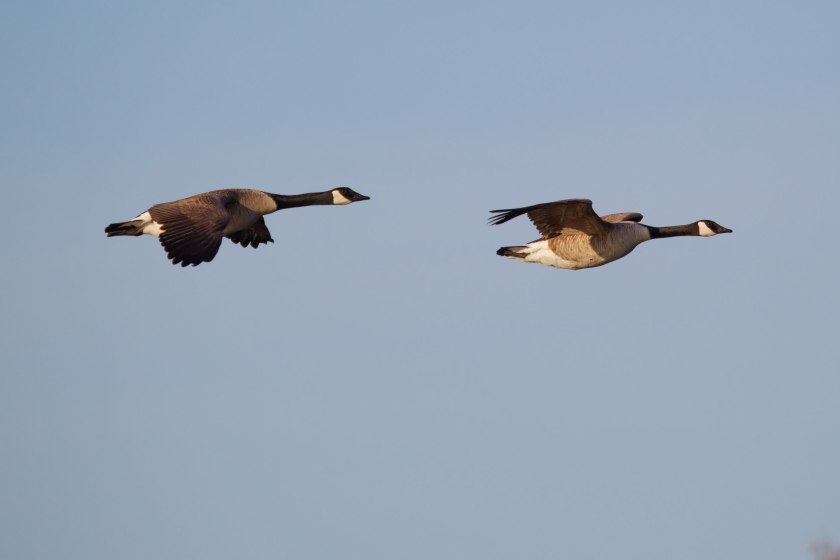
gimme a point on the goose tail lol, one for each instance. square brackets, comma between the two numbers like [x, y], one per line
[514, 252]
[133, 227]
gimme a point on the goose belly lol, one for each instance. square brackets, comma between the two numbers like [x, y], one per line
[619, 242]
[540, 252]
[577, 250]
[580, 251]
[240, 218]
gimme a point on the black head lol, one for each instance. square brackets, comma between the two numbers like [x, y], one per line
[346, 195]
[707, 228]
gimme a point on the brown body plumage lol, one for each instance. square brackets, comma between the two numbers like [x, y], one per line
[575, 237]
[191, 229]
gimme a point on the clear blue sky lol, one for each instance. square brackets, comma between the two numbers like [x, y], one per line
[378, 384]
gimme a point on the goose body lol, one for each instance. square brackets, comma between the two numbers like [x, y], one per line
[191, 229]
[575, 237]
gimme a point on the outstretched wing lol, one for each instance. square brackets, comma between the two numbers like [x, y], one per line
[563, 217]
[254, 235]
[622, 217]
[192, 227]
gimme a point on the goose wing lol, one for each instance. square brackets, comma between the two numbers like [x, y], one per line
[622, 217]
[564, 217]
[192, 227]
[254, 235]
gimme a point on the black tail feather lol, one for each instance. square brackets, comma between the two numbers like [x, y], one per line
[125, 228]
[511, 252]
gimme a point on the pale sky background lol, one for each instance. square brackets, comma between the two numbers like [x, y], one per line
[378, 384]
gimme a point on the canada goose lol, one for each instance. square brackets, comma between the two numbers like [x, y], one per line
[191, 229]
[574, 236]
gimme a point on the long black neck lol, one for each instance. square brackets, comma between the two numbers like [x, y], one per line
[672, 231]
[306, 199]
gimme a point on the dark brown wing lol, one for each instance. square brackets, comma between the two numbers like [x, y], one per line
[254, 235]
[622, 217]
[563, 217]
[192, 227]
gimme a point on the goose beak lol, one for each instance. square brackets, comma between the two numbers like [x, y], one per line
[353, 196]
[725, 230]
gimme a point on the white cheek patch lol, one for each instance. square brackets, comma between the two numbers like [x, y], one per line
[705, 230]
[339, 198]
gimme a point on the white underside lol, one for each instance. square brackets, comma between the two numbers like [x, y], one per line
[150, 227]
[539, 252]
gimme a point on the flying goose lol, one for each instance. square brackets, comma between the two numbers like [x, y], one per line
[191, 229]
[574, 236]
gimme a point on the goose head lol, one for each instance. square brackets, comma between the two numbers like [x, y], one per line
[346, 195]
[707, 228]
